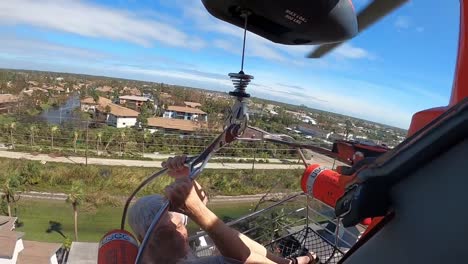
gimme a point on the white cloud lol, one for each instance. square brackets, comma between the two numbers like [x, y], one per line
[25, 47]
[349, 51]
[94, 21]
[177, 74]
[402, 22]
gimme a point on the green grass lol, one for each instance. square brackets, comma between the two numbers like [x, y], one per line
[92, 224]
[35, 217]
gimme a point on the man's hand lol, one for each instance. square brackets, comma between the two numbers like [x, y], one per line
[176, 167]
[184, 198]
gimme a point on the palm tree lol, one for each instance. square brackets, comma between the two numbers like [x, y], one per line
[12, 128]
[10, 188]
[122, 141]
[32, 131]
[76, 134]
[75, 197]
[98, 140]
[146, 135]
[348, 128]
[53, 130]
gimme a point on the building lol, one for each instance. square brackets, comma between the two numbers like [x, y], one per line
[83, 253]
[133, 102]
[185, 113]
[13, 249]
[173, 125]
[105, 89]
[56, 89]
[119, 116]
[310, 130]
[7, 102]
[130, 91]
[164, 95]
[89, 105]
[192, 104]
[30, 90]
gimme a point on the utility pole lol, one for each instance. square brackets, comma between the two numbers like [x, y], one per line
[253, 162]
[87, 137]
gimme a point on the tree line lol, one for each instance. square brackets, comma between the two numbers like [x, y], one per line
[75, 139]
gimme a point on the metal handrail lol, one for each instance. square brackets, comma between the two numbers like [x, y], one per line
[248, 216]
[306, 220]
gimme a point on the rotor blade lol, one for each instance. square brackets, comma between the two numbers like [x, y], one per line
[322, 50]
[368, 16]
[377, 10]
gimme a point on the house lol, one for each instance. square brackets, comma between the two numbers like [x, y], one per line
[56, 89]
[273, 112]
[39, 252]
[130, 91]
[310, 130]
[8, 101]
[11, 242]
[83, 253]
[30, 90]
[192, 104]
[164, 95]
[173, 125]
[89, 105]
[120, 116]
[309, 120]
[105, 89]
[185, 113]
[133, 102]
[13, 249]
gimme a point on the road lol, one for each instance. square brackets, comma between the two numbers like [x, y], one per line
[317, 158]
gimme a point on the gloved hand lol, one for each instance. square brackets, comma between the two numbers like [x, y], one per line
[350, 170]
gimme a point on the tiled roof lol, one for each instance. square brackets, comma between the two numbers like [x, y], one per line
[192, 104]
[7, 223]
[83, 252]
[8, 98]
[185, 109]
[121, 111]
[37, 252]
[105, 89]
[8, 243]
[175, 124]
[103, 102]
[134, 98]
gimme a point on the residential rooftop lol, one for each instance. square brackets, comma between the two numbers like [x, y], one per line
[37, 252]
[121, 111]
[8, 98]
[134, 98]
[185, 109]
[192, 104]
[102, 101]
[174, 124]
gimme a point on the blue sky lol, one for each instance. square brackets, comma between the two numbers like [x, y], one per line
[401, 65]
